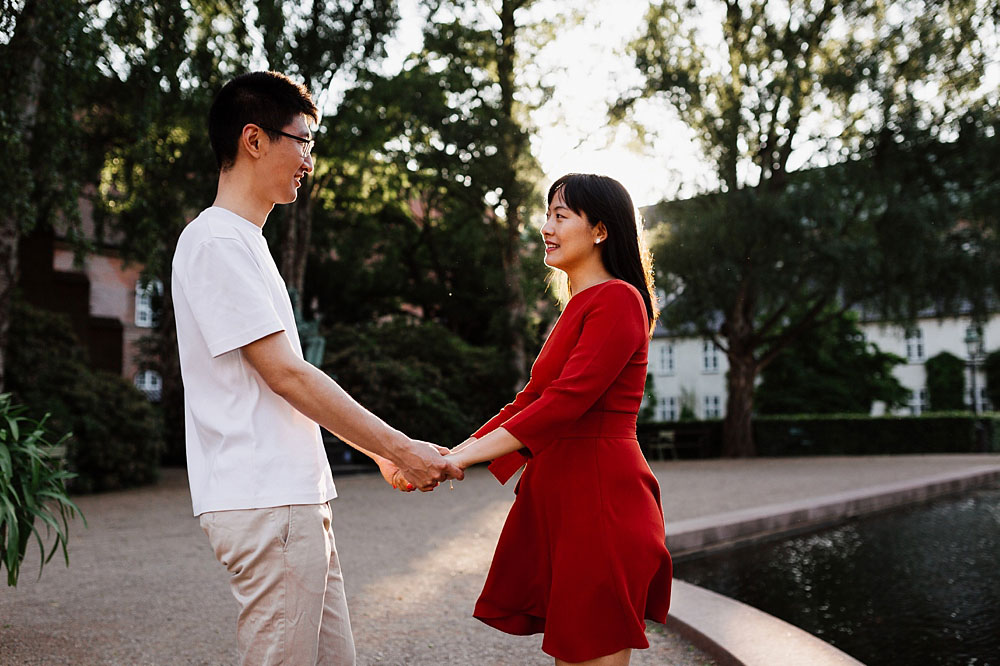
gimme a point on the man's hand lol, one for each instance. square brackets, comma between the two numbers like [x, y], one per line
[424, 465]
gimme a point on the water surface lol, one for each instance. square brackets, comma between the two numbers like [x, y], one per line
[914, 587]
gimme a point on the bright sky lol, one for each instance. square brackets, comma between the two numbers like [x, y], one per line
[588, 68]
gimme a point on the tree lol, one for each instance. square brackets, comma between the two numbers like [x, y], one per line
[158, 169]
[945, 382]
[647, 413]
[316, 45]
[829, 125]
[830, 370]
[991, 367]
[50, 56]
[476, 133]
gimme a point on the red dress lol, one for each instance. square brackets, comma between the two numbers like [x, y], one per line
[582, 556]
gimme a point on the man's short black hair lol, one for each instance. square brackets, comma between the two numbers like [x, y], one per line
[266, 99]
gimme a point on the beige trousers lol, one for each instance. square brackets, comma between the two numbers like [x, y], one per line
[286, 576]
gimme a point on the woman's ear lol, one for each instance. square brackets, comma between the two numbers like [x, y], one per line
[600, 233]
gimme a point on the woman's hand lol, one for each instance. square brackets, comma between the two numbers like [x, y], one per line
[393, 476]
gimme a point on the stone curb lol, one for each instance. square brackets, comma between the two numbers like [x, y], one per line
[698, 535]
[736, 634]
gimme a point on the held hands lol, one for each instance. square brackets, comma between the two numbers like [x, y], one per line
[420, 465]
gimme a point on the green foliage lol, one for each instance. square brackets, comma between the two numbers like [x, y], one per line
[830, 370]
[419, 377]
[991, 366]
[117, 438]
[687, 403]
[945, 382]
[931, 432]
[866, 212]
[32, 490]
[844, 434]
[648, 410]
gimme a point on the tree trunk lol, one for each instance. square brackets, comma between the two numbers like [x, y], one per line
[516, 306]
[26, 107]
[295, 241]
[8, 276]
[511, 145]
[737, 428]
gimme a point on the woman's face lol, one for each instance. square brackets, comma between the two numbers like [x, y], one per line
[570, 240]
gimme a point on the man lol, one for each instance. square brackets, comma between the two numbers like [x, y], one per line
[259, 477]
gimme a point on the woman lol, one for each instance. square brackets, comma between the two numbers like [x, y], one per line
[582, 555]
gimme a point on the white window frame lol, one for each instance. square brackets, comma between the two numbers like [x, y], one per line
[918, 402]
[709, 357]
[145, 315]
[149, 382]
[667, 409]
[667, 358]
[915, 345]
[712, 406]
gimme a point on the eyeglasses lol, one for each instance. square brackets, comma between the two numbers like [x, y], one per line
[307, 143]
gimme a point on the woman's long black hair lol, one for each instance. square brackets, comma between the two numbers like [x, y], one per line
[624, 253]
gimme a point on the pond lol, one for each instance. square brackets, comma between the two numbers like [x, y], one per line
[916, 586]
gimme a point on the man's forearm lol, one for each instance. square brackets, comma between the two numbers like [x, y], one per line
[318, 397]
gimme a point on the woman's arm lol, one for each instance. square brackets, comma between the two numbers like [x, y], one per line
[488, 447]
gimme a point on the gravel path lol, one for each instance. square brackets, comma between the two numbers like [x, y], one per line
[144, 588]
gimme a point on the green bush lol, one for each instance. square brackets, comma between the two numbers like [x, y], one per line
[117, 434]
[849, 434]
[830, 369]
[32, 490]
[945, 382]
[844, 434]
[420, 377]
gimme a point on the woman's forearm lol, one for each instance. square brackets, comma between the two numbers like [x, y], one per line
[487, 447]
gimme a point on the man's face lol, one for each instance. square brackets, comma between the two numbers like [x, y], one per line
[287, 161]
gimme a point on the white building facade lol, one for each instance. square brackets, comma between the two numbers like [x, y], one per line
[691, 371]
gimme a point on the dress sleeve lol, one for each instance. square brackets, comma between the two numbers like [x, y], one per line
[525, 397]
[612, 331]
[504, 467]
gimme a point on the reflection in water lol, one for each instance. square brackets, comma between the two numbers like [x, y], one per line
[912, 587]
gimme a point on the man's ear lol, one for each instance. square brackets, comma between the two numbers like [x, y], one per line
[250, 140]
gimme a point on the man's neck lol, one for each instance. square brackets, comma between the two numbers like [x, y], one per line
[237, 195]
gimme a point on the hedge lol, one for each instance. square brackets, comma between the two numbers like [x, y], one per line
[844, 434]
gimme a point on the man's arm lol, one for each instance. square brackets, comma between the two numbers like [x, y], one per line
[317, 396]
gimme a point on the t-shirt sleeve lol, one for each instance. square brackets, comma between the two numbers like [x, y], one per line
[228, 295]
[612, 331]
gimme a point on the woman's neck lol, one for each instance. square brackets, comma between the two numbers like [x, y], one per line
[584, 279]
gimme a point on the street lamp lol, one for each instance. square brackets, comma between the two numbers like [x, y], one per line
[974, 345]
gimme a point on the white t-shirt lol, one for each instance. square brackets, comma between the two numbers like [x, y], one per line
[247, 448]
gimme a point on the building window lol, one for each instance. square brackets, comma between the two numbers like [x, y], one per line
[914, 345]
[667, 358]
[667, 409]
[709, 356]
[713, 407]
[984, 400]
[150, 383]
[147, 299]
[918, 402]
